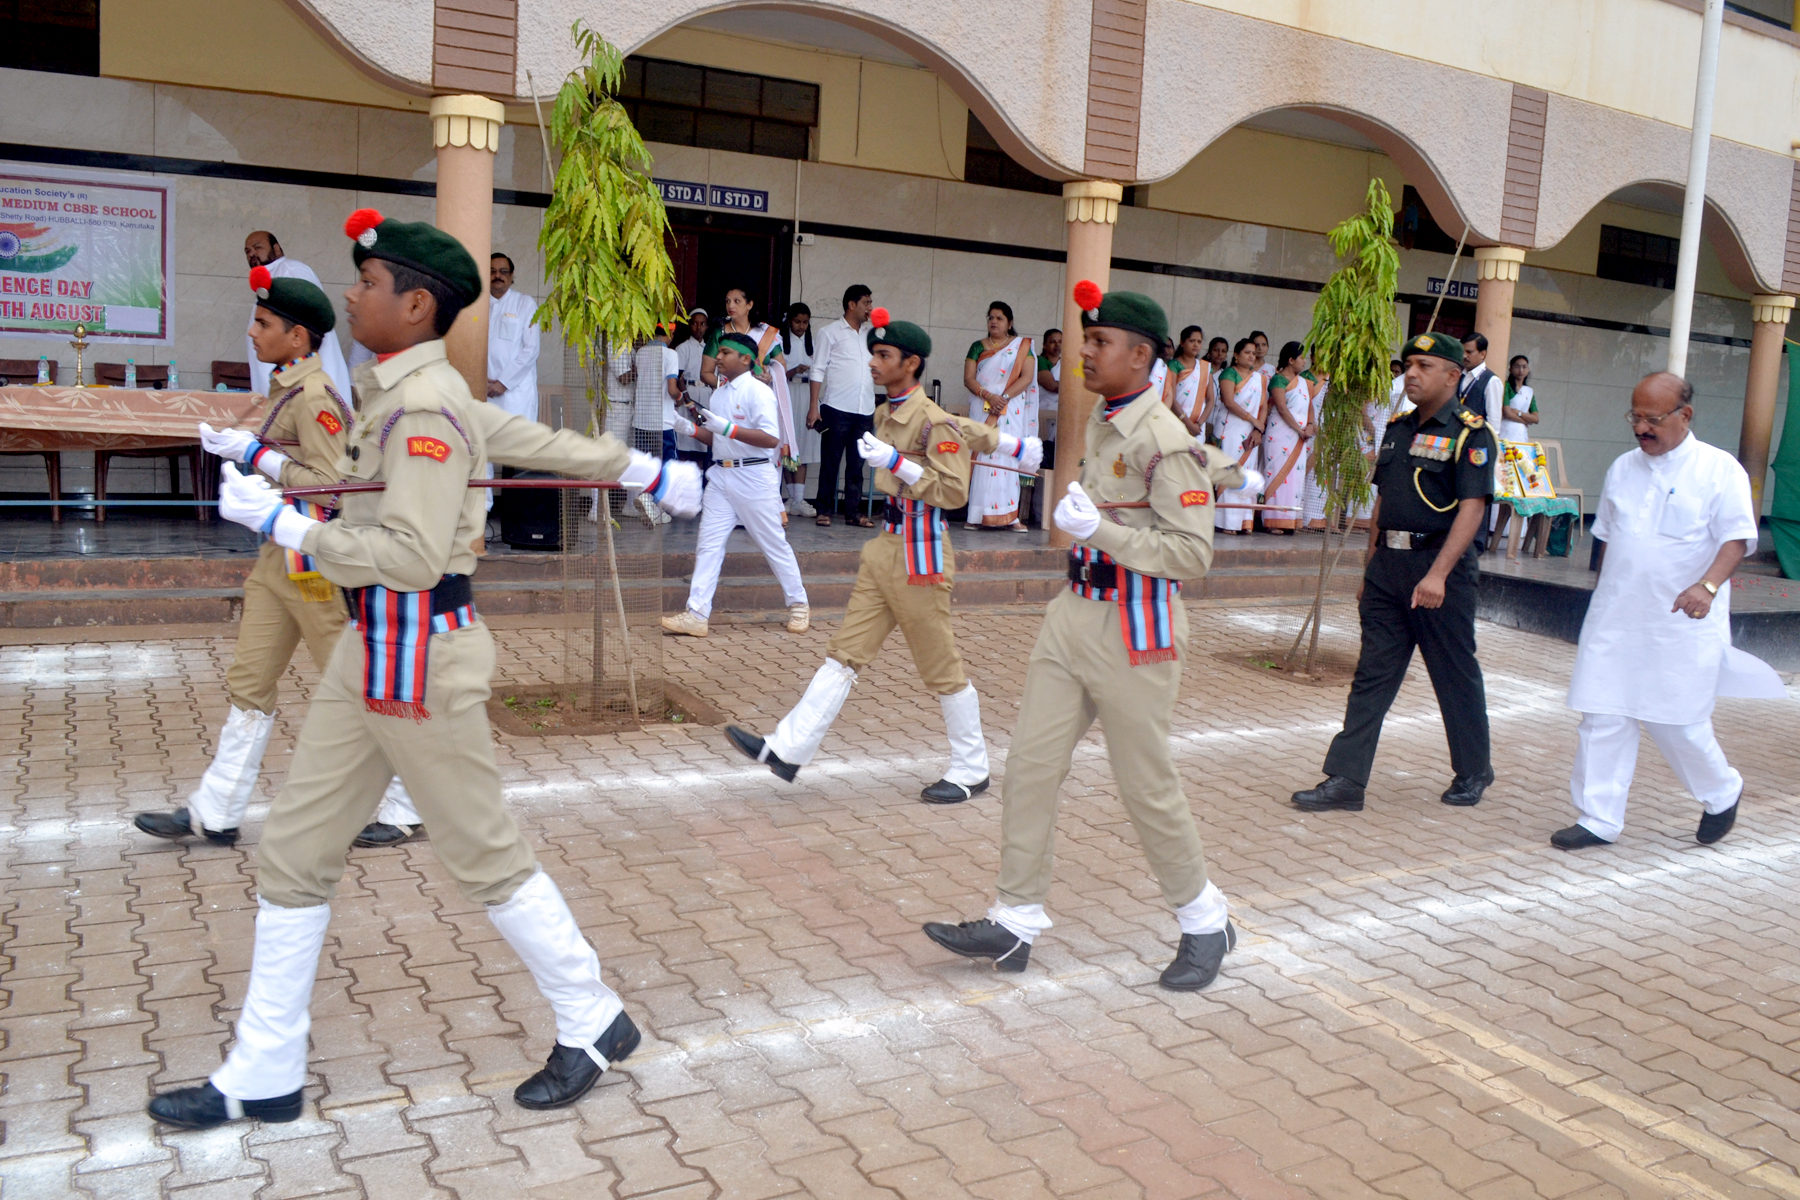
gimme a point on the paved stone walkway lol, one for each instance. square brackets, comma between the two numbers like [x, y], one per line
[1426, 1003]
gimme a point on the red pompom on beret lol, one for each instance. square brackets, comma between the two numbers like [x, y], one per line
[1087, 295]
[260, 279]
[361, 221]
[879, 318]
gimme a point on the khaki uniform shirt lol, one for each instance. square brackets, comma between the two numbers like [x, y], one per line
[423, 435]
[310, 423]
[1146, 453]
[947, 444]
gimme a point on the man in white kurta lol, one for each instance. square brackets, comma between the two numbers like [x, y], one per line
[261, 249]
[1676, 518]
[743, 487]
[512, 343]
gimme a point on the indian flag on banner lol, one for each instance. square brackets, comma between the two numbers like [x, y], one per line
[31, 249]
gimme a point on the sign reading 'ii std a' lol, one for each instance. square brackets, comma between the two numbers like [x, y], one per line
[92, 249]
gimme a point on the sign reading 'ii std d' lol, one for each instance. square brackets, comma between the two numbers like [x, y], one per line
[713, 195]
[90, 249]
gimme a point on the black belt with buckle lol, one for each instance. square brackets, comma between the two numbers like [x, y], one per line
[741, 462]
[1401, 539]
[1104, 576]
[450, 594]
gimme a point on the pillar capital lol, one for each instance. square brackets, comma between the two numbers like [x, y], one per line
[1092, 200]
[1771, 310]
[472, 121]
[1498, 262]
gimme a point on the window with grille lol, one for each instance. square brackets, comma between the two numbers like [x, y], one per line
[1632, 256]
[688, 105]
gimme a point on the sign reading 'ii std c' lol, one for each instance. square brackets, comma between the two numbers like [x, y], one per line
[713, 195]
[85, 248]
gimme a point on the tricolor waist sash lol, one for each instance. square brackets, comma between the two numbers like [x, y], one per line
[396, 629]
[1145, 617]
[302, 572]
[921, 528]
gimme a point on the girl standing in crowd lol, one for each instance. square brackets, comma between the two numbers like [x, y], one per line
[1240, 430]
[1313, 494]
[1518, 402]
[1290, 426]
[1001, 375]
[1193, 381]
[1218, 357]
[797, 349]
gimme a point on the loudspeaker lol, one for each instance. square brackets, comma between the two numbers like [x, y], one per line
[530, 518]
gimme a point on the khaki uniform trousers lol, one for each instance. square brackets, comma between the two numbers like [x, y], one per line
[883, 599]
[1079, 670]
[275, 618]
[347, 754]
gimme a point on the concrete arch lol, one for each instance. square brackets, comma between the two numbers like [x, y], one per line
[1017, 86]
[1748, 233]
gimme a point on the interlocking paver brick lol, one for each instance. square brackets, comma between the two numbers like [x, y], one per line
[1423, 1003]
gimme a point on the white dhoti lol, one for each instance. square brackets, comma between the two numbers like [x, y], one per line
[751, 497]
[1606, 760]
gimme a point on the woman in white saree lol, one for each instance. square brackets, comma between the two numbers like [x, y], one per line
[1001, 375]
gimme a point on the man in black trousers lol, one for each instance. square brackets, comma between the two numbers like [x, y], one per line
[1434, 476]
[843, 404]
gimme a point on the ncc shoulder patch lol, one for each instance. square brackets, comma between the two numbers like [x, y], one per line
[1478, 457]
[329, 420]
[428, 447]
[1197, 496]
[948, 447]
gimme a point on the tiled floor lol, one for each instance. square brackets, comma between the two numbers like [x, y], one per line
[1426, 1003]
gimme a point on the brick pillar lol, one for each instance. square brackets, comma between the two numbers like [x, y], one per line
[1497, 270]
[466, 132]
[1091, 209]
[1770, 316]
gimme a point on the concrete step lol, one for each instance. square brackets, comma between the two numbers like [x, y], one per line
[51, 593]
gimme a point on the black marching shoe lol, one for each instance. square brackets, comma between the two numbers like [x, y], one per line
[571, 1072]
[753, 746]
[983, 939]
[1336, 793]
[945, 792]
[1577, 837]
[1197, 960]
[1714, 826]
[205, 1106]
[378, 833]
[1465, 790]
[180, 824]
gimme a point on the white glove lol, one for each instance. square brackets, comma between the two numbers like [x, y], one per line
[1029, 451]
[1254, 480]
[228, 444]
[681, 488]
[715, 422]
[685, 427]
[641, 471]
[290, 527]
[879, 454]
[247, 499]
[1076, 515]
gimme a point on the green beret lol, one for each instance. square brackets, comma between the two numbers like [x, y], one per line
[743, 343]
[1132, 311]
[1434, 345]
[416, 245]
[903, 336]
[293, 300]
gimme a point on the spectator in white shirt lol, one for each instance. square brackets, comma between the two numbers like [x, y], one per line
[656, 385]
[689, 353]
[843, 397]
[512, 342]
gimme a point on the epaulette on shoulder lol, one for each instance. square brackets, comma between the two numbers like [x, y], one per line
[1473, 420]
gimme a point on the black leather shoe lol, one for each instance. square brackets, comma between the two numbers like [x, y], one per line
[1465, 790]
[1197, 960]
[945, 792]
[752, 745]
[571, 1072]
[983, 939]
[1714, 826]
[179, 824]
[1335, 793]
[1577, 837]
[205, 1106]
[377, 833]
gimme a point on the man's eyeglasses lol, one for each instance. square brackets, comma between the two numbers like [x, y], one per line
[1634, 419]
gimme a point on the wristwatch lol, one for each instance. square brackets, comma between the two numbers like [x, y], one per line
[1712, 589]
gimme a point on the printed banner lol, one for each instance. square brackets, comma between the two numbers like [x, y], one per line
[92, 248]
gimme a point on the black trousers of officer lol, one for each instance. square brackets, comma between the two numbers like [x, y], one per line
[1391, 628]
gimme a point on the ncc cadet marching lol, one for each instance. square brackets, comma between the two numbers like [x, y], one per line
[921, 456]
[1434, 476]
[286, 600]
[1112, 646]
[406, 692]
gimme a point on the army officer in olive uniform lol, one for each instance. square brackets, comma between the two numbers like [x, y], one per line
[1434, 476]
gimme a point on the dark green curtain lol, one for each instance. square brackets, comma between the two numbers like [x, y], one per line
[1784, 510]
